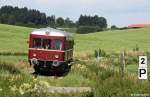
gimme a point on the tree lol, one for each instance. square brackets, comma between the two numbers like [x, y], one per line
[22, 16]
[60, 22]
[114, 27]
[69, 23]
[51, 21]
[102, 22]
[11, 20]
[91, 23]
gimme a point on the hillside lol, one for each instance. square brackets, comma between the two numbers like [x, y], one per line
[14, 39]
[114, 40]
[103, 77]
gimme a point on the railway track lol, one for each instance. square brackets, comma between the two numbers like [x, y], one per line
[55, 89]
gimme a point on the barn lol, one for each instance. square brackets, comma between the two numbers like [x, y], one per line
[139, 26]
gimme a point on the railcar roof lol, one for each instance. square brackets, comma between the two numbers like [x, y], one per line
[51, 32]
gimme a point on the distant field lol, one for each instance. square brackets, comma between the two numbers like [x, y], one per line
[14, 39]
[115, 40]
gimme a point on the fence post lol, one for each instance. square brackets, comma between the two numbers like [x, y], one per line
[98, 56]
[122, 65]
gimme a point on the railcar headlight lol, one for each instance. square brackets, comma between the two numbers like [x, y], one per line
[34, 55]
[56, 56]
[56, 63]
[34, 61]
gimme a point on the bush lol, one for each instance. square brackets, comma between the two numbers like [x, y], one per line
[100, 53]
[113, 27]
[9, 68]
[88, 29]
[132, 60]
[136, 48]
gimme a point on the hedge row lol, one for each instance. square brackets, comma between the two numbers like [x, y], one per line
[88, 29]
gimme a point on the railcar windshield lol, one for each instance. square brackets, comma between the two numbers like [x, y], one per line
[47, 44]
[56, 44]
[36, 43]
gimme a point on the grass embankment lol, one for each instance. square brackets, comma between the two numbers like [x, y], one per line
[16, 80]
[105, 82]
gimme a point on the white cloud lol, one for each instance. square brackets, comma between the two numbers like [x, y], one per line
[92, 6]
[117, 11]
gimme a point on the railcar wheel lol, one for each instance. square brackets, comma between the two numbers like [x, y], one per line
[36, 68]
[62, 69]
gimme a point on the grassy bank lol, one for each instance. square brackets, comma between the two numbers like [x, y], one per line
[102, 77]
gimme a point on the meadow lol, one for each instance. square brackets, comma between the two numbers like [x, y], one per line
[102, 76]
[14, 39]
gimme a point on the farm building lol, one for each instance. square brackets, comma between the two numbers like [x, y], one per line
[139, 26]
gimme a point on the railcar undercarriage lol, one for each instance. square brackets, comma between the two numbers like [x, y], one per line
[49, 67]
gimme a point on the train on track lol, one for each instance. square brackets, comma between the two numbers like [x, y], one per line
[50, 50]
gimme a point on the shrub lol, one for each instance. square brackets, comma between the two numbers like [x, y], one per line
[88, 29]
[136, 48]
[132, 60]
[87, 94]
[105, 74]
[113, 27]
[9, 68]
[148, 55]
[99, 52]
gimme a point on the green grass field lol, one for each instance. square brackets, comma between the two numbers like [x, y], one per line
[14, 39]
[114, 40]
[103, 77]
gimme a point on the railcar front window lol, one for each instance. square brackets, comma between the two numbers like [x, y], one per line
[56, 44]
[46, 44]
[36, 43]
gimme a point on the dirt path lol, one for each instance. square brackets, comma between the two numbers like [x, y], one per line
[53, 89]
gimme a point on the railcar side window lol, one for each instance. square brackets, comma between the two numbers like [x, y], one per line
[56, 44]
[36, 43]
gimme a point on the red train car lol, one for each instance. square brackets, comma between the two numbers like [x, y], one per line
[50, 49]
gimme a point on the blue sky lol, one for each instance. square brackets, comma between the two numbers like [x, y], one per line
[117, 12]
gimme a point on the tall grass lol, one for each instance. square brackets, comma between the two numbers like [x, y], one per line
[104, 81]
[17, 83]
[107, 82]
[8, 68]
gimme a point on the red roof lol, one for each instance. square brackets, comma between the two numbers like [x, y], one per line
[139, 26]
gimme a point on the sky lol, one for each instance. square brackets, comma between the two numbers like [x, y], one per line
[117, 12]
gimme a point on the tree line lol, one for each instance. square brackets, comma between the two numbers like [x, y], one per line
[31, 18]
[87, 24]
[34, 18]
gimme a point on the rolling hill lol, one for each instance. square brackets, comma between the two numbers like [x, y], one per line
[14, 39]
[103, 77]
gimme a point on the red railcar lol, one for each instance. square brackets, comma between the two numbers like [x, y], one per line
[50, 49]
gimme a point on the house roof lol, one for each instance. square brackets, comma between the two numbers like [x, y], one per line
[139, 26]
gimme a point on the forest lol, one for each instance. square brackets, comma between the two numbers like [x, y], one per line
[36, 19]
